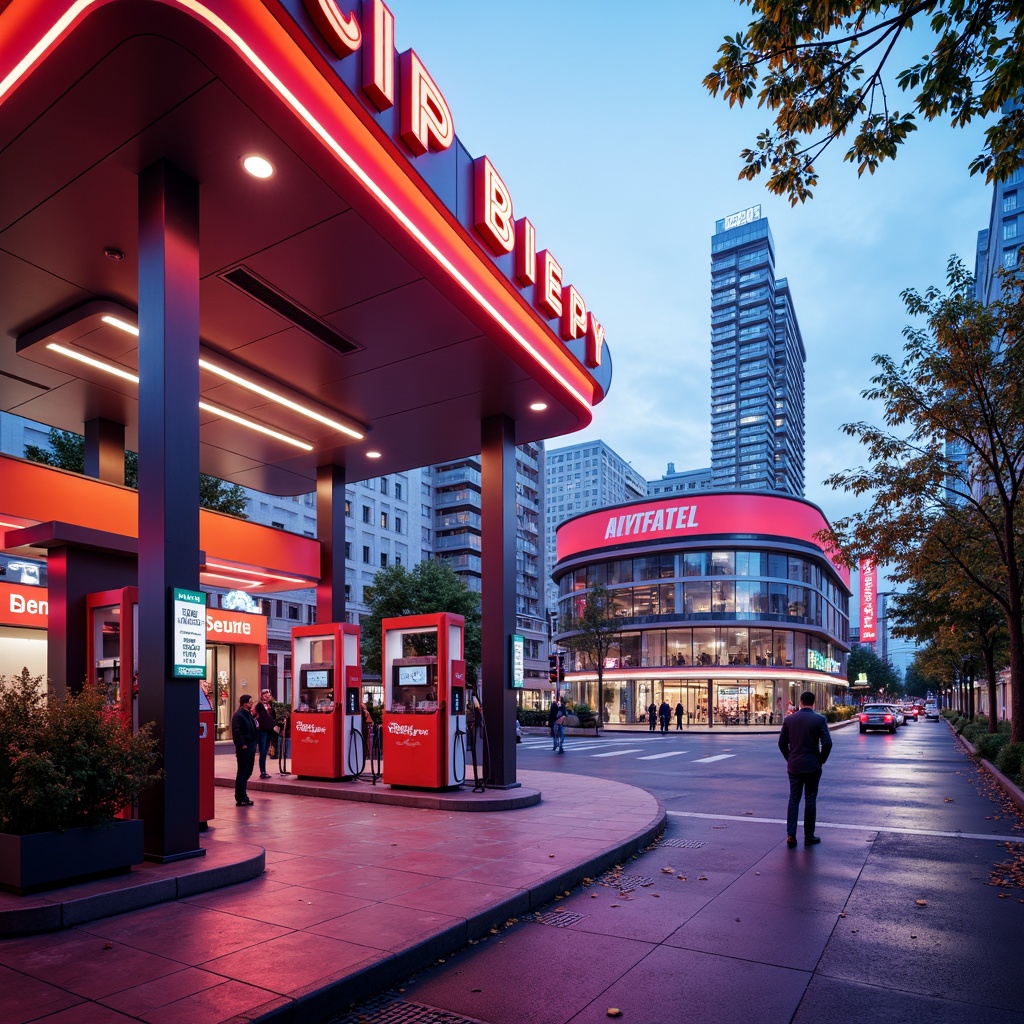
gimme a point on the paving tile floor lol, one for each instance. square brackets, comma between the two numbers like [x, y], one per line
[354, 896]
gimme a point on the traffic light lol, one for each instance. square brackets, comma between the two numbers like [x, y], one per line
[553, 665]
[561, 666]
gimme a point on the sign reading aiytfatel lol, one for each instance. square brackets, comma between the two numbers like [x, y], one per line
[189, 628]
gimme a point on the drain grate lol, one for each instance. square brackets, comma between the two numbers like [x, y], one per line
[387, 1009]
[559, 918]
[683, 844]
[627, 883]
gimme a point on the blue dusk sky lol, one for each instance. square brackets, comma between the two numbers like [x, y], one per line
[594, 114]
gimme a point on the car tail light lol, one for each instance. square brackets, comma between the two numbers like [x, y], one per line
[863, 718]
[888, 718]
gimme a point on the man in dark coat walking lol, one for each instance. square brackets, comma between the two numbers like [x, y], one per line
[244, 734]
[805, 744]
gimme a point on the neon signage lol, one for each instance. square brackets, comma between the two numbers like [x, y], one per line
[425, 125]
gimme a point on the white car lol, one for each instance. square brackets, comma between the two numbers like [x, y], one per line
[931, 710]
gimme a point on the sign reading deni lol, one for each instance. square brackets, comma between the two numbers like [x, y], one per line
[189, 630]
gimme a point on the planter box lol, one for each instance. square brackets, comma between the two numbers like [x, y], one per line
[46, 860]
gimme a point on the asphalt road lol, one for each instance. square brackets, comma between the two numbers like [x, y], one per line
[910, 910]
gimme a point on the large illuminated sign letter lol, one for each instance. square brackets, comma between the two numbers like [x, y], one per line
[341, 32]
[549, 284]
[526, 251]
[379, 54]
[574, 314]
[492, 208]
[426, 121]
[595, 342]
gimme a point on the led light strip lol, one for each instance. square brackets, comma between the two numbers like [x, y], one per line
[230, 579]
[117, 371]
[258, 572]
[253, 425]
[249, 385]
[258, 389]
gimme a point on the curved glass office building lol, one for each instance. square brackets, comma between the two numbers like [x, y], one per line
[729, 605]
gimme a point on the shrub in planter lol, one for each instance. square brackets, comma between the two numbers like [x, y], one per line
[1010, 761]
[66, 762]
[585, 713]
[989, 744]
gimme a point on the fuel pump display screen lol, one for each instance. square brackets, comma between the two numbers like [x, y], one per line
[458, 700]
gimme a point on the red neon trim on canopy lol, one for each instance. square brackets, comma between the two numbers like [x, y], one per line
[33, 28]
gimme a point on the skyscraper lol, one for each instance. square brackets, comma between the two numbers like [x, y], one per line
[757, 363]
[579, 477]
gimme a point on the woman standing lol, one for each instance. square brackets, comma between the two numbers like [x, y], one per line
[266, 722]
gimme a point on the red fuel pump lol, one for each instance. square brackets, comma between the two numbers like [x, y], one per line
[424, 701]
[323, 659]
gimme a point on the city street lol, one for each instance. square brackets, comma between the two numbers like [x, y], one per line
[894, 917]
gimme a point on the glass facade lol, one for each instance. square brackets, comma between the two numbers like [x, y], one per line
[733, 632]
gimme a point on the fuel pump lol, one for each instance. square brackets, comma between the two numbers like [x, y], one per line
[321, 730]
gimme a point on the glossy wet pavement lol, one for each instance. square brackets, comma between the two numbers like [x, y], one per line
[718, 922]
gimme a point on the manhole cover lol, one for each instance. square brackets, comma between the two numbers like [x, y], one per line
[559, 918]
[683, 844]
[627, 883]
[390, 1010]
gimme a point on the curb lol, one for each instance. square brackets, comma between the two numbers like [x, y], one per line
[1009, 788]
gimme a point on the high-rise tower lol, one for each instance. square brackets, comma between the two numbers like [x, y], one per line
[757, 363]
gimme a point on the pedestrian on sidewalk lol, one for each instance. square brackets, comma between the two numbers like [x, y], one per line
[244, 735]
[558, 730]
[805, 744]
[268, 726]
[652, 716]
[664, 715]
[679, 717]
[552, 714]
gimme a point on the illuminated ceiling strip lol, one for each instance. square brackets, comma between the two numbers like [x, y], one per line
[121, 325]
[258, 389]
[98, 364]
[253, 425]
[250, 385]
[55, 31]
[230, 579]
[258, 572]
[397, 212]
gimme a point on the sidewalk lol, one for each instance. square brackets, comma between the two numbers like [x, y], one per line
[355, 895]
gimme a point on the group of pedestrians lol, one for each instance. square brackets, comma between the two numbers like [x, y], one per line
[661, 715]
[252, 729]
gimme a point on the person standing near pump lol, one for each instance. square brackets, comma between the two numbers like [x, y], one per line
[267, 724]
[805, 744]
[244, 735]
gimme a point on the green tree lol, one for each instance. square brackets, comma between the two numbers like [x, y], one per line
[821, 70]
[941, 603]
[951, 451]
[881, 675]
[429, 586]
[592, 634]
[67, 451]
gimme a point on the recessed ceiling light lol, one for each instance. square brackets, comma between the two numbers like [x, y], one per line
[113, 253]
[258, 166]
[373, 455]
[538, 406]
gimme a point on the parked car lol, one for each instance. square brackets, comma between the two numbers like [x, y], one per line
[877, 716]
[931, 710]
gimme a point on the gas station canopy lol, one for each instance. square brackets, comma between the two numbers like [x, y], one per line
[353, 311]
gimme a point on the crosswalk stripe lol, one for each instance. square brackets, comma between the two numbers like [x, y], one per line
[655, 757]
[716, 757]
[617, 753]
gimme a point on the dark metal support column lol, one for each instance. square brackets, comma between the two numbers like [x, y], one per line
[168, 495]
[104, 450]
[498, 599]
[711, 703]
[330, 531]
